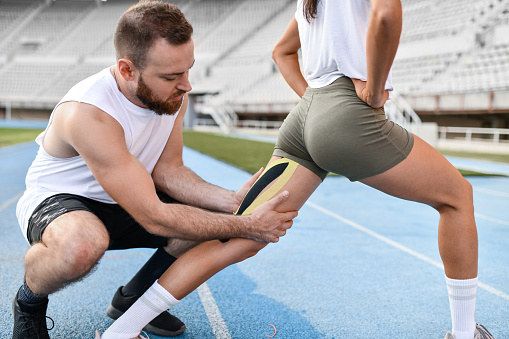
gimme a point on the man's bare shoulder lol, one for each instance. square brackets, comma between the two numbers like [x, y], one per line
[74, 118]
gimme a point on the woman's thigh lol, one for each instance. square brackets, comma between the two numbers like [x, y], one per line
[425, 176]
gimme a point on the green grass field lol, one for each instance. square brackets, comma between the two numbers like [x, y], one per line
[248, 155]
[13, 136]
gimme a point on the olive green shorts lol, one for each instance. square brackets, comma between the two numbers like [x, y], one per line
[332, 130]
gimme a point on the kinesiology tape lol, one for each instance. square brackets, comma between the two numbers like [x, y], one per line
[277, 172]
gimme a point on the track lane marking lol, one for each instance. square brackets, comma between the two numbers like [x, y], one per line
[486, 217]
[10, 201]
[215, 318]
[401, 247]
[491, 192]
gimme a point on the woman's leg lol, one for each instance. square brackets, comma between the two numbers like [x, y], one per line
[200, 263]
[426, 176]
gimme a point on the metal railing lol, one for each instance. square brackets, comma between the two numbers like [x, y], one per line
[473, 133]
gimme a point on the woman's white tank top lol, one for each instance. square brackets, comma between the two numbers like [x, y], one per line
[334, 43]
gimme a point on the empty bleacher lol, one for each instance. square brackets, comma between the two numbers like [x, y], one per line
[447, 48]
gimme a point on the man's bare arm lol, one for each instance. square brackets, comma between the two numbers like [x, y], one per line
[171, 176]
[99, 139]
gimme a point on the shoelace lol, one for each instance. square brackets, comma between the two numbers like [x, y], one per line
[485, 334]
[143, 335]
[33, 325]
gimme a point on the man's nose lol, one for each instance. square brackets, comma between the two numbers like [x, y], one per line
[185, 85]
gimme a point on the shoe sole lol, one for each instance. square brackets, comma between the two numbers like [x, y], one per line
[114, 314]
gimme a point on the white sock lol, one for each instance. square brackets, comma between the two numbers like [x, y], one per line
[152, 303]
[462, 302]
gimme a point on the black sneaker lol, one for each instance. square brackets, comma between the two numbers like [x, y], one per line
[30, 319]
[164, 324]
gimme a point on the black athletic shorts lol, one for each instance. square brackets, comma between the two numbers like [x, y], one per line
[124, 231]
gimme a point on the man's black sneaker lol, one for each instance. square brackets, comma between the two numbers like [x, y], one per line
[164, 324]
[30, 319]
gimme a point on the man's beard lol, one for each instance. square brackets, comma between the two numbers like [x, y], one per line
[160, 107]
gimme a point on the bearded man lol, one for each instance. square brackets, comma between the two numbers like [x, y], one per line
[108, 163]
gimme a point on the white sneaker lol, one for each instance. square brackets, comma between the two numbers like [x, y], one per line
[481, 332]
[142, 335]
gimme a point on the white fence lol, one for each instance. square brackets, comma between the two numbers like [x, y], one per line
[474, 139]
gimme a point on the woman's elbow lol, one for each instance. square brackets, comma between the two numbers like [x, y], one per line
[388, 14]
[275, 54]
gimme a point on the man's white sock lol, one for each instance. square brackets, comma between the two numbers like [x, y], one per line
[152, 303]
[462, 302]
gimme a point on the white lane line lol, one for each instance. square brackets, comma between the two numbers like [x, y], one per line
[401, 247]
[215, 318]
[10, 201]
[492, 192]
[485, 217]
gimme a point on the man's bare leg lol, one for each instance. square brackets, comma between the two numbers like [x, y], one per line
[70, 247]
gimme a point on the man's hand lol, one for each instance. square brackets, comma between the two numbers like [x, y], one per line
[266, 224]
[241, 193]
[375, 99]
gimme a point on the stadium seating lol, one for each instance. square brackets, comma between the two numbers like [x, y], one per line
[447, 47]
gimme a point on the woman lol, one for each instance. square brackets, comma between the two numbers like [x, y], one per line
[348, 47]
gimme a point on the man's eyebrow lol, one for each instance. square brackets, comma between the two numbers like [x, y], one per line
[171, 74]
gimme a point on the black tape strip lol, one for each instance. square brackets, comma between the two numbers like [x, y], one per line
[272, 174]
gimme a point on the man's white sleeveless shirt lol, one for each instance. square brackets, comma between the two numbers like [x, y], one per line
[334, 43]
[146, 134]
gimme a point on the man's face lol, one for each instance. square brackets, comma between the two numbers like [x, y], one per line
[165, 79]
[170, 105]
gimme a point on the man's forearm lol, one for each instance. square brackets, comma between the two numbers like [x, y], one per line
[192, 223]
[184, 185]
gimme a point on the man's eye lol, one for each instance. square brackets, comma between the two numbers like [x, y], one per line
[169, 79]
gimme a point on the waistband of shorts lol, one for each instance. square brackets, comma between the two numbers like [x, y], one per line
[341, 83]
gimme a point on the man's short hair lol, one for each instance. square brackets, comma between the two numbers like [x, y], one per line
[146, 22]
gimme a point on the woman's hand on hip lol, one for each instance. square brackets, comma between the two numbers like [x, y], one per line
[375, 99]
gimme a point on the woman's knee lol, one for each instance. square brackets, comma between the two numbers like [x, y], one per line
[458, 197]
[248, 249]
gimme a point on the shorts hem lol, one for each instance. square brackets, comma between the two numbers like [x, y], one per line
[404, 152]
[321, 173]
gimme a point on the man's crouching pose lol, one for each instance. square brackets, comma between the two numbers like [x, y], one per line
[111, 143]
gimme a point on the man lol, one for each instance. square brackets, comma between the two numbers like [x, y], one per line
[111, 142]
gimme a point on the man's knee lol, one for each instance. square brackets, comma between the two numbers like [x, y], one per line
[83, 255]
[79, 247]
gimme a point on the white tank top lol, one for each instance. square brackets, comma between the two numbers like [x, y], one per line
[334, 43]
[146, 134]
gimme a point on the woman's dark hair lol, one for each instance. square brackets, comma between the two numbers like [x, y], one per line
[146, 22]
[310, 9]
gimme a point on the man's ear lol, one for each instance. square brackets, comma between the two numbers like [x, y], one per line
[127, 69]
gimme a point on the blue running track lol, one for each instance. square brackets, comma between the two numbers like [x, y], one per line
[356, 264]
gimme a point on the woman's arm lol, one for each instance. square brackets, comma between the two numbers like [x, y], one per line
[285, 54]
[382, 42]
